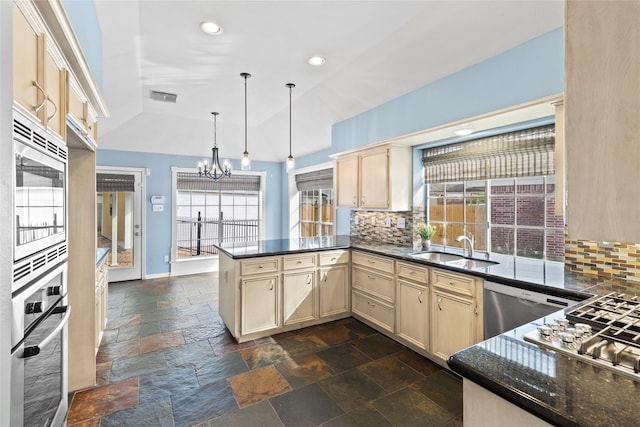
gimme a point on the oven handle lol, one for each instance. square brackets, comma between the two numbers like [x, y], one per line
[34, 350]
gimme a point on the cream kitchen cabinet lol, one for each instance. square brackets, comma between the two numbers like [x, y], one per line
[333, 283]
[456, 312]
[373, 289]
[260, 303]
[299, 294]
[375, 178]
[39, 75]
[412, 306]
[101, 308]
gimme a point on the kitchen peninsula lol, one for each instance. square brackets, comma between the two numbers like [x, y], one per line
[556, 388]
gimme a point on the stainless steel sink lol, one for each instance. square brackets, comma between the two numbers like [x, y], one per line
[437, 256]
[471, 263]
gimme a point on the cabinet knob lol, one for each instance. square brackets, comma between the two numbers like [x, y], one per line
[260, 266]
[299, 262]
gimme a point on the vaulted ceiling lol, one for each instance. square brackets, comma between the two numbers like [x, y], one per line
[375, 51]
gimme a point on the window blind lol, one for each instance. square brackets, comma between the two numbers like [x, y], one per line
[316, 180]
[528, 152]
[193, 181]
[113, 183]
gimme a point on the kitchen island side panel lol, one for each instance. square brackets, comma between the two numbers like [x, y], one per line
[229, 298]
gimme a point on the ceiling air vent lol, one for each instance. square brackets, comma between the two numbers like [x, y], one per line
[163, 96]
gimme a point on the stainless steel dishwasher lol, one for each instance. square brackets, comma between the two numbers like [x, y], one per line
[507, 307]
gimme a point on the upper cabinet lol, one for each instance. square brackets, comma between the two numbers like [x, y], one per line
[375, 178]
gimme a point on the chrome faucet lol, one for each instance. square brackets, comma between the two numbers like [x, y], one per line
[467, 242]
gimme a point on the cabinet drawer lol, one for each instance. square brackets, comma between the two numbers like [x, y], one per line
[334, 257]
[259, 265]
[454, 282]
[373, 310]
[291, 262]
[376, 284]
[372, 261]
[413, 272]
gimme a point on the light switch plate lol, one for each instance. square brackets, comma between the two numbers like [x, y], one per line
[401, 223]
[158, 208]
[356, 219]
[387, 222]
[373, 220]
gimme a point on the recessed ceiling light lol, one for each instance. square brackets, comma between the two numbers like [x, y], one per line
[316, 61]
[464, 132]
[210, 27]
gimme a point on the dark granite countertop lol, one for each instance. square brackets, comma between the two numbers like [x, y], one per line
[276, 247]
[101, 254]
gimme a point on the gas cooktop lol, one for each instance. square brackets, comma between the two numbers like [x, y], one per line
[605, 332]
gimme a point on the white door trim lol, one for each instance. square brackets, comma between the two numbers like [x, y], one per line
[143, 208]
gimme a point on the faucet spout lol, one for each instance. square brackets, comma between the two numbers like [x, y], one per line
[468, 243]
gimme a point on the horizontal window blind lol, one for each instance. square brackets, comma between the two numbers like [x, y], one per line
[113, 183]
[316, 180]
[193, 181]
[528, 152]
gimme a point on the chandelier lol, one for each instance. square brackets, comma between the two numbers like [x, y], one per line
[214, 170]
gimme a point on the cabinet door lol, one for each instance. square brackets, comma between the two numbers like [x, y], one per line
[453, 323]
[299, 300]
[347, 185]
[334, 290]
[412, 313]
[259, 304]
[55, 85]
[27, 45]
[374, 179]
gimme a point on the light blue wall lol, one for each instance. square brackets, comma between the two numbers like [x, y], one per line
[530, 71]
[158, 183]
[84, 19]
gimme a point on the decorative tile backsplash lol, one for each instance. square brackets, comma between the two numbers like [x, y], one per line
[610, 260]
[372, 225]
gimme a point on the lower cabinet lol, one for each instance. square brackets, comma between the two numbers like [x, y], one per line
[456, 319]
[375, 311]
[259, 303]
[333, 286]
[299, 297]
[101, 301]
[373, 290]
[412, 308]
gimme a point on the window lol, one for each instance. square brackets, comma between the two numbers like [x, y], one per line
[500, 189]
[316, 203]
[209, 212]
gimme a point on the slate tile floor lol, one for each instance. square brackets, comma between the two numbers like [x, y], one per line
[166, 359]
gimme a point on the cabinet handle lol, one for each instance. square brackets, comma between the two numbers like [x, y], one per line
[299, 262]
[371, 277]
[370, 304]
[475, 310]
[370, 261]
[420, 297]
[362, 200]
[355, 200]
[54, 112]
[308, 279]
[333, 258]
[439, 301]
[44, 97]
[326, 276]
[271, 283]
[260, 266]
[452, 284]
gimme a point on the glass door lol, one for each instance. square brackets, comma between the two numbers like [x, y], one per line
[119, 221]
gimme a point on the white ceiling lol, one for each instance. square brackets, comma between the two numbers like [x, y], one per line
[375, 51]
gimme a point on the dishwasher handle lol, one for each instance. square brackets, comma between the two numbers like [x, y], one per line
[527, 295]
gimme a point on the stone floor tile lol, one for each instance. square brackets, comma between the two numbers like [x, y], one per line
[307, 406]
[103, 373]
[161, 341]
[157, 413]
[137, 331]
[336, 334]
[362, 416]
[303, 370]
[358, 327]
[139, 308]
[455, 423]
[257, 385]
[167, 383]
[261, 414]
[118, 322]
[172, 303]
[263, 355]
[418, 362]
[225, 343]
[343, 357]
[377, 346]
[189, 355]
[203, 403]
[351, 389]
[390, 373]
[93, 422]
[103, 400]
[215, 368]
[137, 365]
[179, 323]
[118, 350]
[444, 389]
[408, 408]
[297, 344]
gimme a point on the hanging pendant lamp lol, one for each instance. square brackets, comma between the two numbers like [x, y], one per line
[291, 163]
[245, 164]
[214, 170]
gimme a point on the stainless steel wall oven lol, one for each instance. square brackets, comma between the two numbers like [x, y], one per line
[40, 200]
[39, 351]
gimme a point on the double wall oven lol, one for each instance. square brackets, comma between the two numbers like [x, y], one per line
[39, 349]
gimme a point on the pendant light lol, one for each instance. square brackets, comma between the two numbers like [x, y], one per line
[245, 164]
[214, 170]
[291, 163]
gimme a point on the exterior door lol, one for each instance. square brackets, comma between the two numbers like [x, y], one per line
[119, 221]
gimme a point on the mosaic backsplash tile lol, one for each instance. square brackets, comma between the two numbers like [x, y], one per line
[611, 260]
[364, 228]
